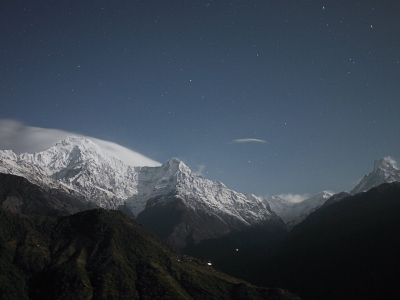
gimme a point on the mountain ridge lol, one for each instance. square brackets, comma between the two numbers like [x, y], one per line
[79, 167]
[201, 217]
[77, 164]
[102, 254]
[385, 171]
[345, 250]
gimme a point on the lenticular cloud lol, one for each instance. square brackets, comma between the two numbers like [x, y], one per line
[249, 140]
[21, 138]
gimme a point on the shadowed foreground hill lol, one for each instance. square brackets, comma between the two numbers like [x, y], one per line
[100, 254]
[345, 250]
[18, 195]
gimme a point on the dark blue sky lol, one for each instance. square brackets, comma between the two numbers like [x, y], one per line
[318, 81]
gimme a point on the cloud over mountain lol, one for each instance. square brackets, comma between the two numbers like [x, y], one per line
[294, 198]
[21, 138]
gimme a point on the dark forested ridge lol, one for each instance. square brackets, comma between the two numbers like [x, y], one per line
[19, 195]
[100, 254]
[345, 250]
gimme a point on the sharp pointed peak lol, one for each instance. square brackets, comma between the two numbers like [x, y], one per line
[174, 160]
[176, 163]
[385, 163]
[385, 170]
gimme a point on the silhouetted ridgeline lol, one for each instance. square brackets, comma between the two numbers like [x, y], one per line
[346, 250]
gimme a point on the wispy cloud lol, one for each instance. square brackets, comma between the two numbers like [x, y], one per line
[249, 140]
[21, 138]
[200, 169]
[294, 198]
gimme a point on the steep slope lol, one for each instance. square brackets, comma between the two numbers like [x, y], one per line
[194, 208]
[101, 254]
[304, 208]
[385, 171]
[336, 198]
[21, 196]
[282, 207]
[345, 250]
[197, 193]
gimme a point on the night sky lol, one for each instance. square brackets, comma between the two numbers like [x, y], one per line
[269, 97]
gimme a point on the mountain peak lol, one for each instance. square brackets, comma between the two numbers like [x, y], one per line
[78, 164]
[174, 165]
[385, 163]
[174, 162]
[82, 143]
[73, 140]
[385, 171]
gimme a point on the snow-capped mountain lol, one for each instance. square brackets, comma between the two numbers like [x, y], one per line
[79, 165]
[282, 207]
[304, 208]
[292, 213]
[211, 196]
[385, 171]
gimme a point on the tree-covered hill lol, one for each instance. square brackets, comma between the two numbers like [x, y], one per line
[100, 254]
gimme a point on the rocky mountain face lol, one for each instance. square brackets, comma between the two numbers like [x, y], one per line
[385, 171]
[101, 254]
[193, 208]
[79, 167]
